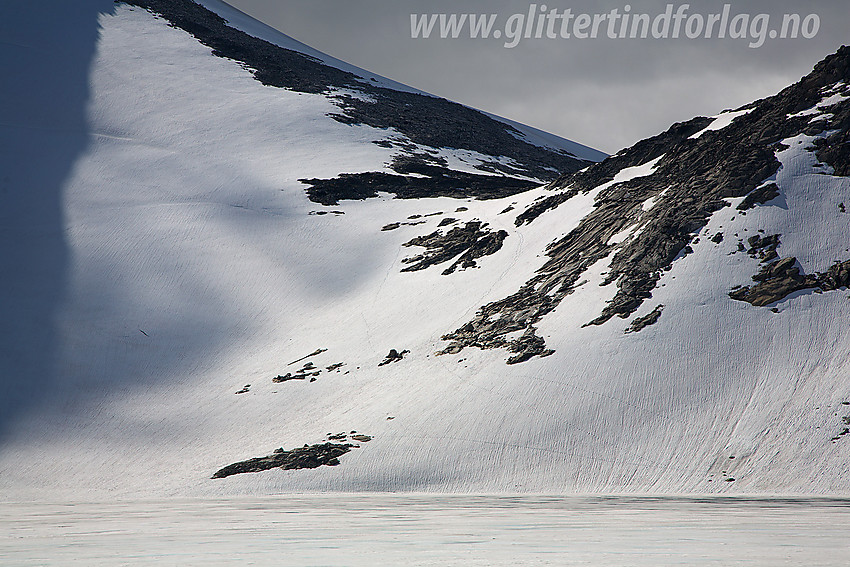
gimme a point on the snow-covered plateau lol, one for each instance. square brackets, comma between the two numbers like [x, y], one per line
[208, 256]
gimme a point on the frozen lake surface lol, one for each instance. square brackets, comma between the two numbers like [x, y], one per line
[381, 529]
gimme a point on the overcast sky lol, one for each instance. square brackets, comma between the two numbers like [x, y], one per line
[605, 93]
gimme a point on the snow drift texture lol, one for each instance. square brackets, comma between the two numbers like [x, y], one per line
[202, 266]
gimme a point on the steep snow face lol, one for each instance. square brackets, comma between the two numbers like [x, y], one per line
[245, 23]
[184, 245]
[241, 21]
[214, 313]
[363, 99]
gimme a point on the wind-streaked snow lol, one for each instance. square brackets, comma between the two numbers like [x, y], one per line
[195, 267]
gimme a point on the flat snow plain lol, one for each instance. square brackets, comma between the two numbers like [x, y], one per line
[376, 530]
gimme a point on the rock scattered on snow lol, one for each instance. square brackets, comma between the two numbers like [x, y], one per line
[393, 356]
[308, 370]
[763, 247]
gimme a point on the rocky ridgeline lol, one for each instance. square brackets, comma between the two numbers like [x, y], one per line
[424, 122]
[693, 179]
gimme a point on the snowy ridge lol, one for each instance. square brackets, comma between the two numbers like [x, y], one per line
[199, 275]
[436, 122]
[246, 23]
[546, 139]
[242, 21]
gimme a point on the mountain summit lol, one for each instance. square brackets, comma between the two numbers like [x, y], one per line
[246, 267]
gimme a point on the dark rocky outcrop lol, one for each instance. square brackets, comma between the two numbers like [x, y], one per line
[393, 356]
[543, 204]
[517, 312]
[763, 247]
[306, 457]
[834, 150]
[835, 277]
[441, 182]
[692, 179]
[651, 318]
[759, 196]
[466, 243]
[778, 280]
[527, 346]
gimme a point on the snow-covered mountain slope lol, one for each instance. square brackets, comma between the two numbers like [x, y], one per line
[240, 250]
